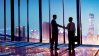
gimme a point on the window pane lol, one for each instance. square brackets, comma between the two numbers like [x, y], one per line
[45, 21]
[70, 11]
[16, 18]
[56, 8]
[8, 19]
[90, 18]
[23, 19]
[34, 20]
[1, 18]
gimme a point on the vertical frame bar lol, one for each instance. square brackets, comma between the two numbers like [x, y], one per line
[4, 19]
[49, 22]
[79, 30]
[19, 18]
[40, 19]
[63, 21]
[12, 20]
[27, 21]
[80, 23]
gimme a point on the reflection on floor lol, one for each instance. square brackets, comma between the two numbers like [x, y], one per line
[43, 49]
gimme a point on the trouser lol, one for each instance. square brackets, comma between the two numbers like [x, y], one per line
[71, 39]
[71, 45]
[54, 39]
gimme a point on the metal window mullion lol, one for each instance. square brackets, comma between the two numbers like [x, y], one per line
[19, 18]
[12, 20]
[78, 21]
[40, 19]
[4, 19]
[49, 22]
[27, 21]
[63, 22]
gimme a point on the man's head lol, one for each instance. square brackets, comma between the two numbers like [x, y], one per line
[70, 19]
[54, 16]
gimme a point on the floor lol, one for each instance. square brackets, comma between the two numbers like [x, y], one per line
[43, 49]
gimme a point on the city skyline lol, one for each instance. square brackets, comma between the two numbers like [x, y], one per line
[87, 7]
[26, 28]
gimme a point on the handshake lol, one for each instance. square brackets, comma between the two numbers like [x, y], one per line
[63, 27]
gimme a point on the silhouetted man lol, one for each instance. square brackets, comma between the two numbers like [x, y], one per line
[54, 26]
[71, 34]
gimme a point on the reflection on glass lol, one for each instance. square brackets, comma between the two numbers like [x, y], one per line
[34, 21]
[45, 21]
[70, 11]
[90, 29]
[1, 19]
[8, 19]
[56, 8]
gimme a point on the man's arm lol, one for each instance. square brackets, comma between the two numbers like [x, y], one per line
[60, 26]
[67, 26]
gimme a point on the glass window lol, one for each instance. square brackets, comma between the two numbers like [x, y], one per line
[45, 21]
[70, 11]
[56, 8]
[1, 18]
[8, 19]
[23, 19]
[34, 21]
[16, 17]
[90, 27]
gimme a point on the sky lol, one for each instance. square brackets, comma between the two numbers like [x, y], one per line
[90, 6]
[87, 7]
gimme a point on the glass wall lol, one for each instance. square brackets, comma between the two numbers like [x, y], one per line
[1, 18]
[90, 27]
[16, 18]
[8, 19]
[70, 11]
[45, 21]
[56, 8]
[34, 21]
[20, 19]
[23, 19]
[89, 15]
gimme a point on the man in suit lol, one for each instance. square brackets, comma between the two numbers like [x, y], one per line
[71, 34]
[54, 26]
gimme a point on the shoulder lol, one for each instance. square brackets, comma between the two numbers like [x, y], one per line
[53, 21]
[68, 24]
[73, 23]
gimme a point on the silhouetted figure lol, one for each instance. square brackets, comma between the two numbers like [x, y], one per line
[72, 53]
[51, 52]
[54, 38]
[71, 33]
